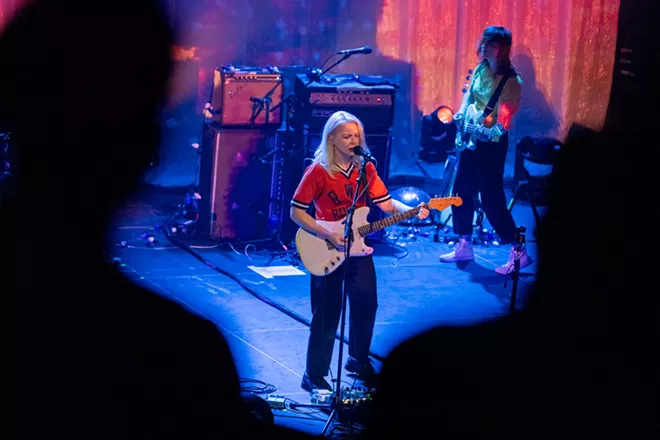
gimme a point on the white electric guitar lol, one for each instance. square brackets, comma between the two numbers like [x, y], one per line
[465, 140]
[320, 257]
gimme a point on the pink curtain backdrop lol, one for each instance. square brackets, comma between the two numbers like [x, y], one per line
[564, 50]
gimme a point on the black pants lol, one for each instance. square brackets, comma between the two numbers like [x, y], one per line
[326, 308]
[482, 171]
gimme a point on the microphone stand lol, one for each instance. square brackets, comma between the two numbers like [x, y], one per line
[257, 107]
[348, 239]
[316, 74]
[258, 104]
[520, 241]
[290, 102]
[264, 159]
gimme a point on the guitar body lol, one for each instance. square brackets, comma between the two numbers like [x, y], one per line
[468, 141]
[320, 257]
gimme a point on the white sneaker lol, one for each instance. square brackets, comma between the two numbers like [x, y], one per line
[507, 268]
[462, 252]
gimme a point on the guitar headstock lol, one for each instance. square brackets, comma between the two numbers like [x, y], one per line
[466, 86]
[442, 203]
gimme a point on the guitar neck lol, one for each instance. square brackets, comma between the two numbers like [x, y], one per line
[388, 221]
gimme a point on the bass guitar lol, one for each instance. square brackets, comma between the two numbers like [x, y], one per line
[467, 132]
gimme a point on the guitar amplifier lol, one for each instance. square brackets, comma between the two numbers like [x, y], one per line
[246, 97]
[369, 98]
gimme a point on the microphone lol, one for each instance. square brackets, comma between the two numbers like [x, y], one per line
[365, 50]
[358, 151]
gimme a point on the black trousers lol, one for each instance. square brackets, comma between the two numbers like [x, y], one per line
[482, 171]
[326, 295]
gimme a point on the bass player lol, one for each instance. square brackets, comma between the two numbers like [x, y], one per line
[481, 169]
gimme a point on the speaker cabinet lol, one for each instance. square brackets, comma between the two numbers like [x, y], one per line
[237, 172]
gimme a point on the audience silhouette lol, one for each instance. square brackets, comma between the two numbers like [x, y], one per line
[81, 86]
[581, 359]
[98, 356]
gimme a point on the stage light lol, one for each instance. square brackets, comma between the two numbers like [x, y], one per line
[438, 134]
[444, 114]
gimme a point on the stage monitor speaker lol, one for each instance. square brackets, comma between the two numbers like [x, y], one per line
[380, 146]
[237, 171]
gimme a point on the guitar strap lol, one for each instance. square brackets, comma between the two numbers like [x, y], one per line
[498, 91]
[363, 183]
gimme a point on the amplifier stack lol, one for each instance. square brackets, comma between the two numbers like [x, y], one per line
[251, 163]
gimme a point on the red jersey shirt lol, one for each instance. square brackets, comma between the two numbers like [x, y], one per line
[333, 196]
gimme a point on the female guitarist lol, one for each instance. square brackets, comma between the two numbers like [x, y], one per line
[483, 139]
[329, 184]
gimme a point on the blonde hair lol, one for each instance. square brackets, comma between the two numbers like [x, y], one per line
[325, 153]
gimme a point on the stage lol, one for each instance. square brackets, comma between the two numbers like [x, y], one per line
[259, 299]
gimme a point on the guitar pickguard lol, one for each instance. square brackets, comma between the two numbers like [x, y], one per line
[468, 141]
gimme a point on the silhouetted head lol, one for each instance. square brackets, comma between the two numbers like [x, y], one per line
[81, 89]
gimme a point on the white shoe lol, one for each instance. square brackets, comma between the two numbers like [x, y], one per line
[507, 268]
[462, 252]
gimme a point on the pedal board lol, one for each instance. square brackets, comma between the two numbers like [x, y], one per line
[356, 403]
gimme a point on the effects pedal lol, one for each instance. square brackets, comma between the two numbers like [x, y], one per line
[322, 397]
[276, 402]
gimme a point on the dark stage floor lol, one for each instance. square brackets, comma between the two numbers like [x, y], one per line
[416, 292]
